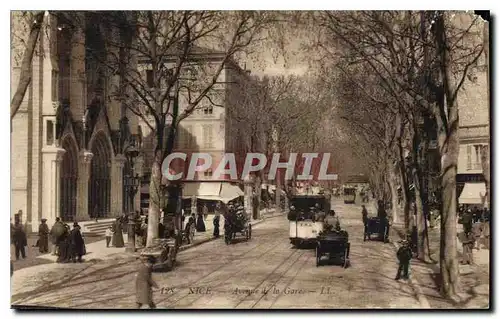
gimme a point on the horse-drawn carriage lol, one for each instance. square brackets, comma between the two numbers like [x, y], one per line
[335, 244]
[236, 221]
[378, 226]
[164, 251]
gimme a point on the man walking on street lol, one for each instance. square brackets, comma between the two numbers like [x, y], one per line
[43, 236]
[364, 213]
[404, 256]
[144, 284]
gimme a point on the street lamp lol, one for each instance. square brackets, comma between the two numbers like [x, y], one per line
[132, 184]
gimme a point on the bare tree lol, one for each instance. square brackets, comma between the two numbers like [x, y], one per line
[34, 22]
[165, 75]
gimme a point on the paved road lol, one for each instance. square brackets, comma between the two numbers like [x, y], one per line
[264, 273]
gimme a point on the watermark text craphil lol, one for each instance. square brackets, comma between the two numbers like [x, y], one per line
[302, 167]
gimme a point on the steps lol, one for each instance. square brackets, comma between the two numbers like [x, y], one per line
[96, 229]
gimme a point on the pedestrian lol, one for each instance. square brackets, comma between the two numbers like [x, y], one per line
[200, 224]
[20, 240]
[404, 256]
[109, 234]
[76, 243]
[43, 236]
[144, 284]
[467, 221]
[205, 211]
[485, 231]
[183, 218]
[64, 246]
[55, 233]
[144, 231]
[467, 246]
[216, 222]
[364, 214]
[476, 233]
[117, 240]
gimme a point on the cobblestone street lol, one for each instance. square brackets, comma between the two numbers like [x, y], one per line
[265, 272]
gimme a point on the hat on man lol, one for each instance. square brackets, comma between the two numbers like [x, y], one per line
[75, 224]
[43, 220]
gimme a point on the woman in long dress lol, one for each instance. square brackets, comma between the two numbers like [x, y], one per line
[117, 240]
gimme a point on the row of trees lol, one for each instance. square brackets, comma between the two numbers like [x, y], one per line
[395, 75]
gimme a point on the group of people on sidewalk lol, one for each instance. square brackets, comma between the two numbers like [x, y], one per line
[68, 244]
[476, 230]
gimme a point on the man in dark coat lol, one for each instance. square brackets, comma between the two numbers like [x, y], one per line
[200, 224]
[404, 256]
[467, 221]
[43, 236]
[117, 240]
[216, 222]
[20, 240]
[76, 243]
[64, 246]
[144, 284]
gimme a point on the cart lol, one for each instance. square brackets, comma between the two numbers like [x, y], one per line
[336, 245]
[164, 251]
[377, 226]
[237, 222]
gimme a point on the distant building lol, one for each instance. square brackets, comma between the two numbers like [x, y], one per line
[209, 129]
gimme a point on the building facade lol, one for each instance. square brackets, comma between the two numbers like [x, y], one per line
[209, 129]
[474, 122]
[68, 137]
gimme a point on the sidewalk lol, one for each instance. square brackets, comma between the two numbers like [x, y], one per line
[473, 287]
[31, 280]
[97, 251]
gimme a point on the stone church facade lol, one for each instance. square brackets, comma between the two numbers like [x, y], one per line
[68, 139]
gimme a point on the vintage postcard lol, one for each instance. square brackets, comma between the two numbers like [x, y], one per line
[250, 159]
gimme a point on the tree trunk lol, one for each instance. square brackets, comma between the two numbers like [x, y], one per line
[404, 186]
[448, 251]
[25, 76]
[423, 251]
[446, 114]
[485, 162]
[155, 197]
[394, 194]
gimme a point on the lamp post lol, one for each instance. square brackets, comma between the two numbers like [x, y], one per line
[132, 186]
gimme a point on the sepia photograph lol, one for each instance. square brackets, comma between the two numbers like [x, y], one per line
[250, 159]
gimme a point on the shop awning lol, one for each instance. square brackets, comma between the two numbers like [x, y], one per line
[473, 194]
[212, 191]
[229, 192]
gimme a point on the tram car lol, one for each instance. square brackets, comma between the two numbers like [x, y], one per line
[304, 219]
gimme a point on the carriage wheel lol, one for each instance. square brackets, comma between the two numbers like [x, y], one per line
[227, 237]
[250, 231]
[318, 255]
